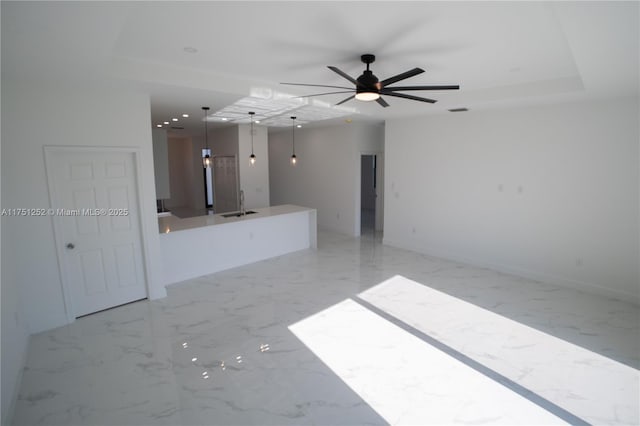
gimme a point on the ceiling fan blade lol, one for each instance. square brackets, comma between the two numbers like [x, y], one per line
[346, 100]
[343, 74]
[382, 102]
[413, 98]
[316, 85]
[402, 76]
[402, 88]
[322, 94]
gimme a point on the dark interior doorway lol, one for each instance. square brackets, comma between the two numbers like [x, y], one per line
[368, 193]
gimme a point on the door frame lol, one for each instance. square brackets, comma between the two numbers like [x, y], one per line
[49, 151]
[379, 187]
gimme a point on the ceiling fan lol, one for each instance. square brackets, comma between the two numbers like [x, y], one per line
[369, 88]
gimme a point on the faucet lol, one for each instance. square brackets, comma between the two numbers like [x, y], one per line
[242, 210]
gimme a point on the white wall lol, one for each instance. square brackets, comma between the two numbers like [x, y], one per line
[68, 116]
[546, 192]
[161, 163]
[327, 175]
[224, 141]
[254, 180]
[14, 333]
[369, 137]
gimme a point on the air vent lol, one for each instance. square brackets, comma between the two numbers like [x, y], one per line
[458, 110]
[177, 128]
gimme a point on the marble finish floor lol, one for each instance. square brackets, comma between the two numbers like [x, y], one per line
[351, 333]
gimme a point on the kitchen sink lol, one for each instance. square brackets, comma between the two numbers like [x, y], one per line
[238, 214]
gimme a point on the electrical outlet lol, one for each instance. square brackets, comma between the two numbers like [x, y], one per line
[338, 216]
[579, 262]
[500, 187]
[413, 230]
[520, 189]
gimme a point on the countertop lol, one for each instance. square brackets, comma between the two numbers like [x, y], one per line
[171, 223]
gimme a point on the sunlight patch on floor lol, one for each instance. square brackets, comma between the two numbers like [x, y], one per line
[403, 378]
[586, 384]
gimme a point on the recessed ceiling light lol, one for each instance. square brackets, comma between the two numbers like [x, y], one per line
[348, 120]
[185, 115]
[299, 125]
[257, 121]
[174, 119]
[224, 119]
[158, 125]
[166, 122]
[190, 49]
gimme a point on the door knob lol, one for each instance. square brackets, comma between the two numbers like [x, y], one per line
[70, 246]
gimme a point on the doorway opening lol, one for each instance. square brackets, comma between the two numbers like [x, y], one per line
[371, 194]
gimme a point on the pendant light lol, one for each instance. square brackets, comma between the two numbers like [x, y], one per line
[294, 159]
[252, 157]
[206, 160]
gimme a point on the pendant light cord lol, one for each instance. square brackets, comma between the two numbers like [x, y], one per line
[252, 157]
[251, 116]
[206, 129]
[293, 135]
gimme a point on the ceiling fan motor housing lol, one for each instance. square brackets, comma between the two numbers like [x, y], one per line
[367, 82]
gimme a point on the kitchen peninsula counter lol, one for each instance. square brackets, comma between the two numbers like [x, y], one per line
[202, 245]
[173, 223]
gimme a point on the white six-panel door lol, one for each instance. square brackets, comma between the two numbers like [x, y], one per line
[95, 199]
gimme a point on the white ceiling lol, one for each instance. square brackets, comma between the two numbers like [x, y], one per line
[502, 54]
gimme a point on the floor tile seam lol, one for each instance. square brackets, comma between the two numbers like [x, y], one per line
[480, 368]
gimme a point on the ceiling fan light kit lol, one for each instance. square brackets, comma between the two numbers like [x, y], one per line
[367, 96]
[368, 88]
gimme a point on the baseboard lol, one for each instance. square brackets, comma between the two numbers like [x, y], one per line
[331, 229]
[521, 272]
